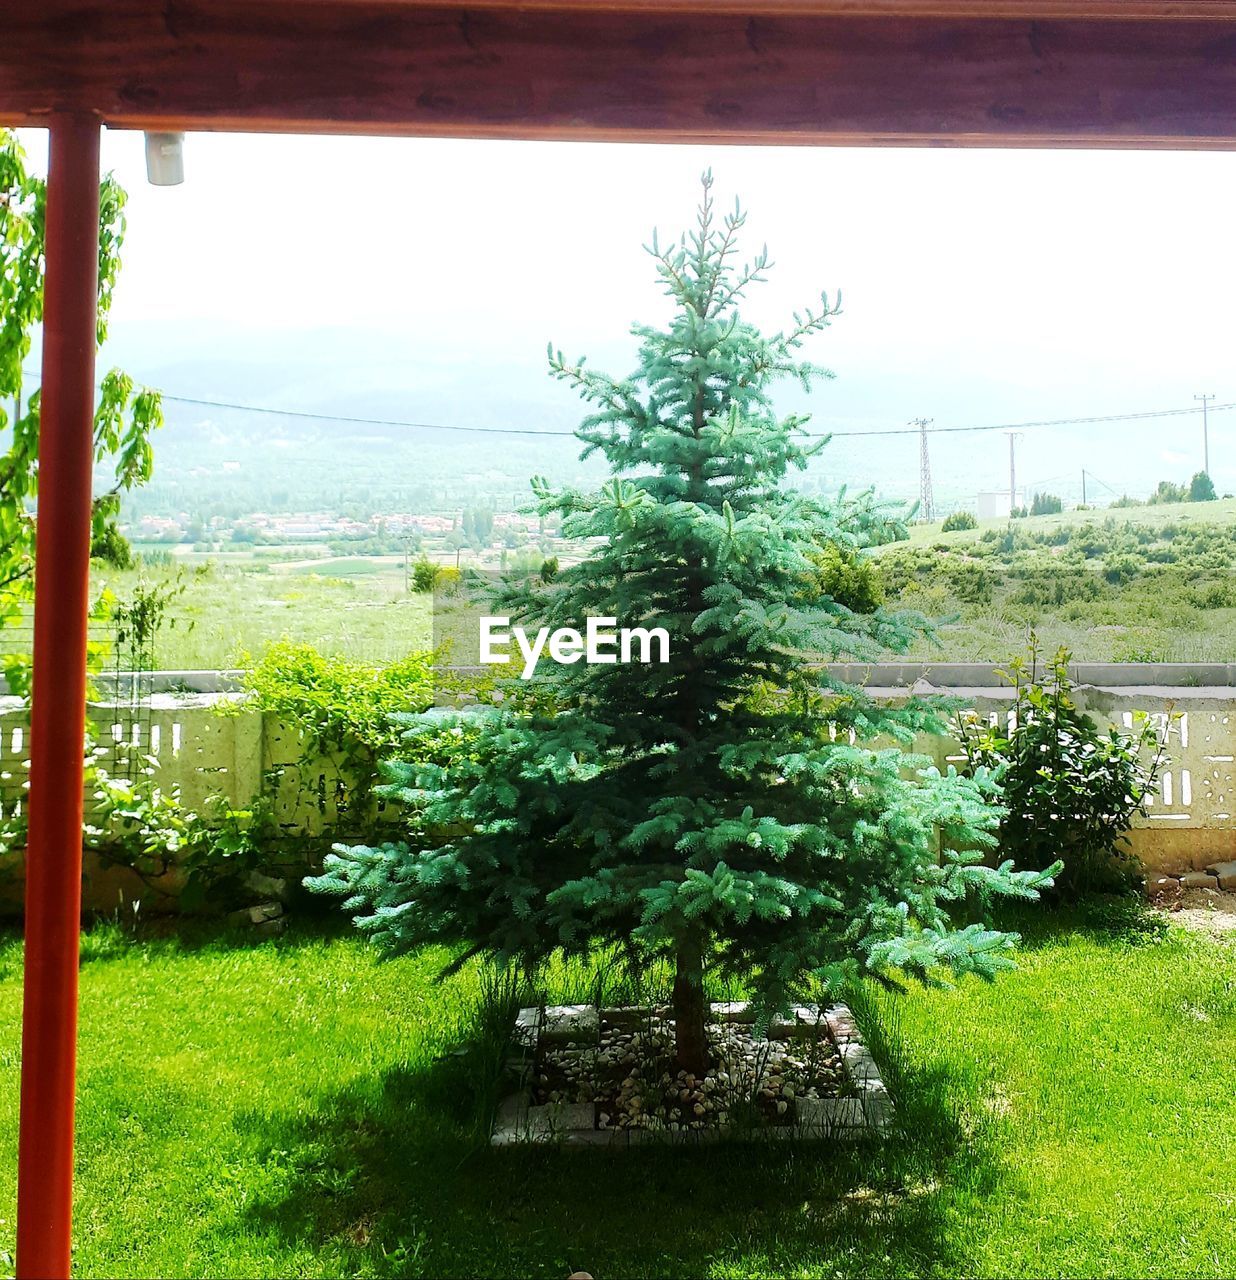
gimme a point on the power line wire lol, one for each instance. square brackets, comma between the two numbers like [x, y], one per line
[889, 431]
[1022, 426]
[532, 431]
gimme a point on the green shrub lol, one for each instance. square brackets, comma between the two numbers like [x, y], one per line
[1045, 504]
[342, 708]
[1121, 569]
[109, 546]
[1070, 788]
[970, 583]
[848, 577]
[1045, 588]
[1168, 492]
[424, 575]
[348, 712]
[958, 520]
[219, 857]
[1214, 595]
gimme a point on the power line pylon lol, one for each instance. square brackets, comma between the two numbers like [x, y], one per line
[1012, 435]
[1205, 431]
[925, 502]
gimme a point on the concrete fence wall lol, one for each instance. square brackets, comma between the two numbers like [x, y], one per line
[1191, 822]
[202, 752]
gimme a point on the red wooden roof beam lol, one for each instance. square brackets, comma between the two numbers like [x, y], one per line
[1055, 72]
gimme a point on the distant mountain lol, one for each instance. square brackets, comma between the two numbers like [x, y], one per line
[285, 463]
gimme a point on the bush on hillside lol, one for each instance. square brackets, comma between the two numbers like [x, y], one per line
[958, 520]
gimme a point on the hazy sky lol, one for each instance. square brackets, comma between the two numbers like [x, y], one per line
[978, 286]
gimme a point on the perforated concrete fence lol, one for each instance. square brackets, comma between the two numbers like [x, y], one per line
[206, 745]
[1191, 822]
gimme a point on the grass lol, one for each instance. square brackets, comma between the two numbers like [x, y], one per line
[358, 607]
[1139, 584]
[1221, 512]
[290, 1107]
[231, 611]
[228, 612]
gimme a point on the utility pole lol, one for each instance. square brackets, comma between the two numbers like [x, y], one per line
[1083, 486]
[1205, 431]
[925, 502]
[1012, 435]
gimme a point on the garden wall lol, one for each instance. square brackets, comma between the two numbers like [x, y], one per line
[1191, 822]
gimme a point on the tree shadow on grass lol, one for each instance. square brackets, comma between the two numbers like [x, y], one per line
[1111, 919]
[106, 937]
[392, 1177]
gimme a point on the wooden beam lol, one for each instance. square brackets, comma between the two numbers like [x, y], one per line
[348, 66]
[1035, 10]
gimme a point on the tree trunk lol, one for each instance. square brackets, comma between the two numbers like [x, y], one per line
[690, 1011]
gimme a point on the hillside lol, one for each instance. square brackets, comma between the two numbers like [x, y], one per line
[1146, 584]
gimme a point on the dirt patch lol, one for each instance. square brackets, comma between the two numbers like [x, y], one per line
[1208, 911]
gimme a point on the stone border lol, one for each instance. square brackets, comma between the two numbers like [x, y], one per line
[1165, 890]
[867, 1113]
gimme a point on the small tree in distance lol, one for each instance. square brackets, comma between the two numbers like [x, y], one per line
[722, 809]
[1202, 488]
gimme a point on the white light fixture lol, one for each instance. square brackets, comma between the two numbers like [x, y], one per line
[165, 159]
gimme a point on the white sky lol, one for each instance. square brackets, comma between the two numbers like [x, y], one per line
[978, 285]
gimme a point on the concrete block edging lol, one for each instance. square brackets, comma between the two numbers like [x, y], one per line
[863, 1113]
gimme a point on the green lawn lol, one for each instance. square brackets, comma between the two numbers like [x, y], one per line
[289, 1107]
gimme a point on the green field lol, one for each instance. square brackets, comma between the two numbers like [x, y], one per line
[229, 611]
[291, 1107]
[1173, 601]
[1151, 584]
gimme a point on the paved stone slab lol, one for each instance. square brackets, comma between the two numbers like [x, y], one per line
[1225, 873]
[571, 1023]
[261, 914]
[861, 1068]
[841, 1024]
[553, 1118]
[629, 1017]
[511, 1122]
[732, 1011]
[1162, 889]
[833, 1117]
[518, 1065]
[1199, 880]
[527, 1028]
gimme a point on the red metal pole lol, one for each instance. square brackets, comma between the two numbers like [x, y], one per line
[58, 714]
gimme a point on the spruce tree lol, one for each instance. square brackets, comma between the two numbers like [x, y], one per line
[736, 807]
